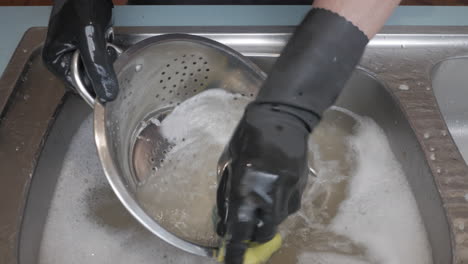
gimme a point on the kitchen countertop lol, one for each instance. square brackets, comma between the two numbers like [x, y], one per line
[14, 21]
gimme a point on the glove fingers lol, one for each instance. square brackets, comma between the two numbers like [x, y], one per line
[266, 227]
[241, 221]
[235, 252]
[97, 63]
[241, 224]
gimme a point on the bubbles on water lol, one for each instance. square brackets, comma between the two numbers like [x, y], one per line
[201, 124]
[86, 222]
[362, 208]
[378, 184]
[330, 258]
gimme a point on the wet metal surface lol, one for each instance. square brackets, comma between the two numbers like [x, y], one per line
[401, 59]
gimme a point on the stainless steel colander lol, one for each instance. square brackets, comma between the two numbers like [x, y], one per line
[155, 75]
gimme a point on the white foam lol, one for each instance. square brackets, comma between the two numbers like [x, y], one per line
[380, 211]
[87, 224]
[329, 258]
[214, 113]
[198, 130]
[377, 222]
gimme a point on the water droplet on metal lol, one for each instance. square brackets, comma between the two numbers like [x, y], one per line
[403, 87]
[138, 67]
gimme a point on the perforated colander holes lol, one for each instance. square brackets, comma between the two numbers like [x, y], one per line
[190, 67]
[191, 60]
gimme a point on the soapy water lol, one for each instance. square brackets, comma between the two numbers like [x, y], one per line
[86, 222]
[378, 221]
[180, 193]
[359, 205]
[358, 208]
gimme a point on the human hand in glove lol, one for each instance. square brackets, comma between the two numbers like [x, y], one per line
[82, 25]
[264, 167]
[265, 172]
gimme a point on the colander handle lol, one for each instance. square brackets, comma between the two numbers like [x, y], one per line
[75, 73]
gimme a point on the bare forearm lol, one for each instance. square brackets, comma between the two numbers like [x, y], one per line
[367, 15]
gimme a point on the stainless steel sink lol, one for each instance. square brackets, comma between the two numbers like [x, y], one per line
[392, 86]
[450, 83]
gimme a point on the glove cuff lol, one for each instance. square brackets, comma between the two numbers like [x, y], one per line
[314, 66]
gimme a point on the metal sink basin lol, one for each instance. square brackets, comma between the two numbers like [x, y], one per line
[392, 86]
[450, 84]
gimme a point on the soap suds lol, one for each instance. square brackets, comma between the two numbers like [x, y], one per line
[86, 222]
[381, 212]
[360, 190]
[180, 192]
[358, 209]
[329, 258]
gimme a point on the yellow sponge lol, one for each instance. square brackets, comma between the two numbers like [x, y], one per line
[256, 253]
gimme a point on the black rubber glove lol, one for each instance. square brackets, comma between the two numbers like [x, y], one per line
[265, 179]
[266, 159]
[82, 25]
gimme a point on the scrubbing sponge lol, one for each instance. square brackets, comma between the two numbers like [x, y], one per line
[256, 253]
